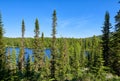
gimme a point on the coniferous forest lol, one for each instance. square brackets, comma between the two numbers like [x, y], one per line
[95, 58]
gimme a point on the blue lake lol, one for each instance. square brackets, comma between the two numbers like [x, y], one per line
[28, 51]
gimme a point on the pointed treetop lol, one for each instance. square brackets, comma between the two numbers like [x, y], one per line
[42, 34]
[23, 25]
[54, 12]
[1, 25]
[37, 24]
[37, 28]
[107, 16]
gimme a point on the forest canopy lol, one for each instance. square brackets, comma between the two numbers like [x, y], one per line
[95, 58]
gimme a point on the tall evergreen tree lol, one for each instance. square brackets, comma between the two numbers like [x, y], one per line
[116, 45]
[13, 60]
[71, 57]
[82, 59]
[63, 62]
[9, 64]
[106, 40]
[21, 56]
[2, 52]
[53, 46]
[8, 59]
[97, 67]
[42, 48]
[13, 65]
[36, 46]
[41, 68]
[42, 37]
[28, 69]
[47, 69]
[76, 69]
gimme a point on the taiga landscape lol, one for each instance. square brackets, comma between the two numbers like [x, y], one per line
[59, 40]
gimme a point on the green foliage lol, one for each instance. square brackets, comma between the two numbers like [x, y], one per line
[76, 69]
[28, 69]
[116, 46]
[97, 55]
[13, 60]
[2, 53]
[47, 69]
[36, 46]
[63, 62]
[38, 53]
[21, 55]
[106, 40]
[54, 52]
[36, 28]
[72, 59]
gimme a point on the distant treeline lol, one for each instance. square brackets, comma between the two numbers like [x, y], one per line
[84, 59]
[16, 42]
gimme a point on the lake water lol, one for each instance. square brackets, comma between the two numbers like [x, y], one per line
[28, 51]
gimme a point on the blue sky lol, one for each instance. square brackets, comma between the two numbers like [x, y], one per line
[75, 18]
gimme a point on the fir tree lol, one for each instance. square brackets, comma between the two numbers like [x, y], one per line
[106, 40]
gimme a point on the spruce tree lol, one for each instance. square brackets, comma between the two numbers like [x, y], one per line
[13, 64]
[36, 46]
[42, 38]
[53, 47]
[41, 68]
[13, 60]
[21, 56]
[63, 62]
[76, 69]
[71, 57]
[28, 69]
[42, 53]
[47, 69]
[106, 40]
[8, 63]
[96, 53]
[116, 45]
[2, 52]
[38, 52]
[97, 67]
[82, 59]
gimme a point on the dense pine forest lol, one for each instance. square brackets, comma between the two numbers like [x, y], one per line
[95, 58]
